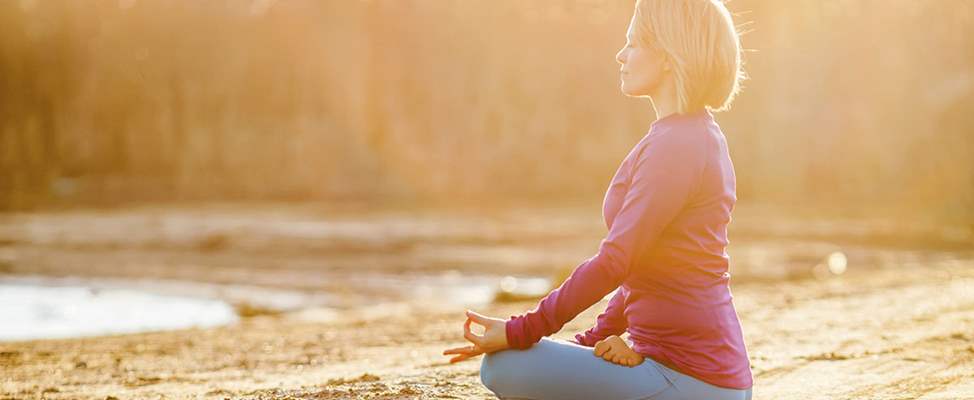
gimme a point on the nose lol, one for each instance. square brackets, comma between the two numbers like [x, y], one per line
[620, 56]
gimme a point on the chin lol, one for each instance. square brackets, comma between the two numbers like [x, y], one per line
[634, 90]
[631, 93]
[624, 90]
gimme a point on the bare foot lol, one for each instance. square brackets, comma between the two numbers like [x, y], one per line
[616, 350]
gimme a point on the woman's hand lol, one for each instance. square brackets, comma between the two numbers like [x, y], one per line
[493, 339]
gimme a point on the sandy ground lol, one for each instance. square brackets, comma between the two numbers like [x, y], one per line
[898, 324]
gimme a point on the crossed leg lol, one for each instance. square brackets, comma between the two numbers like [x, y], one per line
[556, 369]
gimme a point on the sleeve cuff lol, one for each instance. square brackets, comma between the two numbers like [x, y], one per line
[515, 333]
[582, 339]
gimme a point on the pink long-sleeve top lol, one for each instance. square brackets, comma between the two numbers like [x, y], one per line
[666, 209]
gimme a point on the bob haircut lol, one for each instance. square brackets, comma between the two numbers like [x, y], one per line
[703, 45]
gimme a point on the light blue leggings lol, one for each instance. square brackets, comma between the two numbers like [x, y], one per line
[556, 369]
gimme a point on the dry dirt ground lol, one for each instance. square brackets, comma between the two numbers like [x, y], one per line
[898, 324]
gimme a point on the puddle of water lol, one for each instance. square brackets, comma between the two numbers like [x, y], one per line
[36, 307]
[254, 296]
[47, 312]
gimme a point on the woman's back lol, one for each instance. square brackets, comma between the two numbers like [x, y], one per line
[678, 305]
[691, 251]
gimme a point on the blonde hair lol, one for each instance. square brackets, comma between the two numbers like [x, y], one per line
[703, 45]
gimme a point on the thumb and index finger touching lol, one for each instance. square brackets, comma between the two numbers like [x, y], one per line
[469, 335]
[478, 318]
[477, 340]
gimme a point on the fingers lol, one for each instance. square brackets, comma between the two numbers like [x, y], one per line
[472, 337]
[459, 350]
[466, 352]
[478, 318]
[463, 357]
[459, 357]
[463, 353]
[467, 334]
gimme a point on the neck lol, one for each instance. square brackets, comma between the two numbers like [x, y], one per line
[665, 101]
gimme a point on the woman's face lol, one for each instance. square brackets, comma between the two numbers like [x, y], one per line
[643, 68]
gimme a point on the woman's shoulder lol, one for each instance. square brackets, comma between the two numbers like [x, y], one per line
[683, 148]
[690, 127]
[690, 138]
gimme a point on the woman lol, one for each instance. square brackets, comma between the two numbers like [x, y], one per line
[667, 210]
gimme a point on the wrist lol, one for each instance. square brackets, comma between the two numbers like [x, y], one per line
[582, 339]
[513, 330]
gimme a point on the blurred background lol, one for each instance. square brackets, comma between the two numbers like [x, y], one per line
[320, 187]
[852, 107]
[281, 155]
